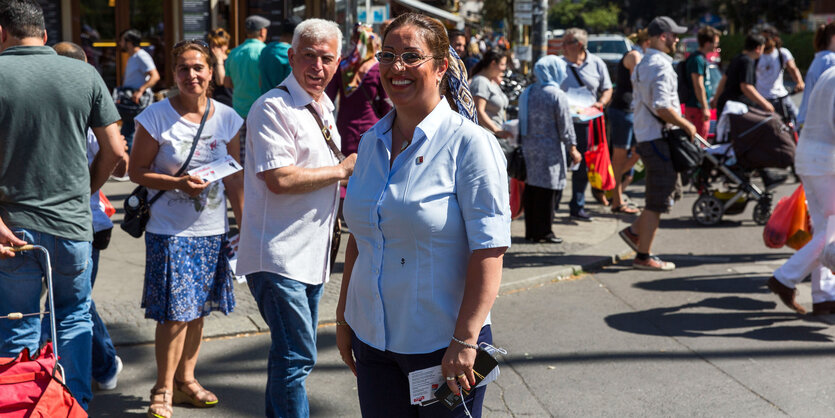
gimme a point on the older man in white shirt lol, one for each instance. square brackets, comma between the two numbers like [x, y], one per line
[291, 198]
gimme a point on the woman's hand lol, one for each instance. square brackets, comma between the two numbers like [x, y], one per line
[192, 185]
[713, 101]
[343, 343]
[458, 362]
[505, 134]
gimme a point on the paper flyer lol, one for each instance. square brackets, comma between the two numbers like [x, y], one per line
[217, 170]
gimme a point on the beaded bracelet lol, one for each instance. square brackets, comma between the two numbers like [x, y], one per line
[341, 323]
[464, 343]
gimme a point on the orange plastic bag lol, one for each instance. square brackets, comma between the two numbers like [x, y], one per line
[789, 224]
[517, 190]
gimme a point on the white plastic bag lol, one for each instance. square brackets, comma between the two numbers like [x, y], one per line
[827, 257]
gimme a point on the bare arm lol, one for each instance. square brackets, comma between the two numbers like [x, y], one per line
[631, 60]
[343, 332]
[234, 184]
[144, 151]
[483, 119]
[220, 68]
[111, 152]
[701, 93]
[673, 116]
[293, 180]
[794, 72]
[484, 275]
[227, 82]
[752, 94]
[719, 89]
[153, 79]
[604, 100]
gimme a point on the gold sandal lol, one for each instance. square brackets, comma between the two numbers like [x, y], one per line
[201, 398]
[160, 408]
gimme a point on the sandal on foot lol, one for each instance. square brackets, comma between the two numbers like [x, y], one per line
[160, 403]
[200, 397]
[625, 209]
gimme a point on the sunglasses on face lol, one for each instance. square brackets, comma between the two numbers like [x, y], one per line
[409, 59]
[191, 41]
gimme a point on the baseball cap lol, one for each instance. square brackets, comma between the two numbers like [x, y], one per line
[663, 24]
[255, 23]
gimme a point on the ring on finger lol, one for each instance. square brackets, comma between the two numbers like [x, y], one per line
[461, 375]
[449, 378]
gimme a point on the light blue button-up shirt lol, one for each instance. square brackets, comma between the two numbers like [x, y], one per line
[416, 225]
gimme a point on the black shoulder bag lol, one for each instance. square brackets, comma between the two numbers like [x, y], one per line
[138, 207]
[686, 155]
[326, 133]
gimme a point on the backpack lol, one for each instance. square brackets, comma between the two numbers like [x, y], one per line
[685, 83]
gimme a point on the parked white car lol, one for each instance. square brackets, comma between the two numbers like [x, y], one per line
[610, 48]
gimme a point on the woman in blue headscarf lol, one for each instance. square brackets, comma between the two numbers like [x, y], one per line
[546, 130]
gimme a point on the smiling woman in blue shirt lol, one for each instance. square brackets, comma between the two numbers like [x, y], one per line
[430, 222]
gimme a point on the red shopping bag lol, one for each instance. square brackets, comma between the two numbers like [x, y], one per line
[30, 387]
[789, 224]
[598, 162]
[109, 210]
[517, 190]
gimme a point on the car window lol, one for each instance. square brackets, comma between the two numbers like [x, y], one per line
[607, 47]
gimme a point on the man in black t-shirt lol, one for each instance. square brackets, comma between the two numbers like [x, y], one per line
[739, 82]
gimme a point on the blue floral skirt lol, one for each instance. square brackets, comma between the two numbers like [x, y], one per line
[186, 277]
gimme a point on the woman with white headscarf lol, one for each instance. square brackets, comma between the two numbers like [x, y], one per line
[546, 130]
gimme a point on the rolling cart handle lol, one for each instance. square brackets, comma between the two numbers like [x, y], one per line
[48, 275]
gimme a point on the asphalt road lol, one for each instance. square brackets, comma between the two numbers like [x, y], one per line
[705, 340]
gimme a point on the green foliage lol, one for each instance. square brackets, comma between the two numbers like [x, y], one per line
[593, 15]
[496, 10]
[747, 13]
[800, 45]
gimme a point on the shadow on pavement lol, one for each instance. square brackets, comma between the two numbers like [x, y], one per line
[739, 313]
[726, 283]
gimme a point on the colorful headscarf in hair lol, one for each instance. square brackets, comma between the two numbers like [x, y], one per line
[459, 88]
[549, 70]
[363, 51]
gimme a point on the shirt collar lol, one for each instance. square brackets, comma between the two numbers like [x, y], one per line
[652, 51]
[428, 126]
[300, 98]
[29, 50]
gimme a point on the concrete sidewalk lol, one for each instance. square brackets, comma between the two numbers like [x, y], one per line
[118, 288]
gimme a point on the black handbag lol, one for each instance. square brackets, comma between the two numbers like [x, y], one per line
[516, 167]
[138, 207]
[686, 155]
[123, 97]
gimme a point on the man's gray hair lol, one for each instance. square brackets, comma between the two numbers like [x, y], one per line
[317, 31]
[580, 35]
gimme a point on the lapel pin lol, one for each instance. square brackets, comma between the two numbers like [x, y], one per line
[419, 160]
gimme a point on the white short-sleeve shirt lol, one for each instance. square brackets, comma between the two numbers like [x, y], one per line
[815, 154]
[770, 73]
[287, 234]
[177, 213]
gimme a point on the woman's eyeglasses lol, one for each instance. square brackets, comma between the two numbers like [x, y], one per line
[409, 59]
[191, 41]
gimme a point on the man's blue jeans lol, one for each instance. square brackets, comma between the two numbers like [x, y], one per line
[580, 178]
[291, 309]
[104, 353]
[20, 289]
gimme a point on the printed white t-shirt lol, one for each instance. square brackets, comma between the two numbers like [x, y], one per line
[770, 74]
[176, 213]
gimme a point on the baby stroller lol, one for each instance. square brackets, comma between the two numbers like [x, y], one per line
[33, 386]
[758, 140]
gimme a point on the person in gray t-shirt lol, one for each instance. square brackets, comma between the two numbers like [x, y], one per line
[490, 101]
[140, 75]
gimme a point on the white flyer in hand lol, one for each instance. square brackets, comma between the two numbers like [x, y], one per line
[423, 384]
[217, 169]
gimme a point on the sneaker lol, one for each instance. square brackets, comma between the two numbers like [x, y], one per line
[629, 237]
[653, 263]
[581, 215]
[110, 384]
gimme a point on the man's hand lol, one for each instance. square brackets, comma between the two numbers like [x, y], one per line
[598, 105]
[347, 165]
[713, 101]
[8, 239]
[706, 115]
[576, 157]
[690, 129]
[137, 95]
[768, 107]
[799, 87]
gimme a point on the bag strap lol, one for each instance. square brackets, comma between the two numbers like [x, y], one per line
[326, 133]
[190, 153]
[580, 80]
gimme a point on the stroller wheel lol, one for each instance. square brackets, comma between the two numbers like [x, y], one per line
[708, 210]
[762, 211]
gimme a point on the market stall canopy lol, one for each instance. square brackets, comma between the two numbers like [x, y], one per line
[433, 11]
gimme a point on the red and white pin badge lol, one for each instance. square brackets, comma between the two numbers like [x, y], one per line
[419, 160]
